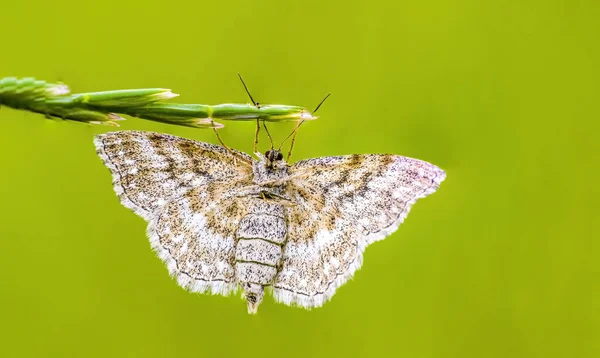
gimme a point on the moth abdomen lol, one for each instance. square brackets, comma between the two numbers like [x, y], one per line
[259, 248]
[262, 226]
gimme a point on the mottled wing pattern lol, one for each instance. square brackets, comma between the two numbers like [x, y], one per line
[195, 237]
[184, 189]
[343, 204]
[149, 169]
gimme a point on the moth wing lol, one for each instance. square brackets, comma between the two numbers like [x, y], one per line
[343, 204]
[195, 236]
[149, 169]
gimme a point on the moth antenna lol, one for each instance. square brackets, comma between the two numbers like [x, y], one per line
[257, 105]
[295, 132]
[248, 92]
[283, 142]
[319, 106]
[268, 134]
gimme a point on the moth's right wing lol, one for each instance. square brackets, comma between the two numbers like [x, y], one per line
[150, 169]
[343, 204]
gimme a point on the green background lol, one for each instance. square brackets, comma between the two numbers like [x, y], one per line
[503, 261]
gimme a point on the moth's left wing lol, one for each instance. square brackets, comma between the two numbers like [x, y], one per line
[150, 169]
[195, 236]
[343, 204]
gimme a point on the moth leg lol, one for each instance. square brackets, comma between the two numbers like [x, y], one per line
[277, 199]
[256, 136]
[293, 141]
[223, 143]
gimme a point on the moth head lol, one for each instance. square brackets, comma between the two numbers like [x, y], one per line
[273, 157]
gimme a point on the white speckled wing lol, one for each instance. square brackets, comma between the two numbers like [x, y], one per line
[185, 190]
[150, 169]
[195, 236]
[343, 204]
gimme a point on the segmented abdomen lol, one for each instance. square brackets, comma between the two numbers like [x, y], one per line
[260, 238]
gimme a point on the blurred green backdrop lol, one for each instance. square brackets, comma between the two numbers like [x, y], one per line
[501, 262]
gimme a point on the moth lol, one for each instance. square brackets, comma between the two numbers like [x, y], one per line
[221, 220]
